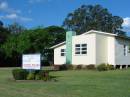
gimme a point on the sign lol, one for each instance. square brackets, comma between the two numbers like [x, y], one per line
[31, 61]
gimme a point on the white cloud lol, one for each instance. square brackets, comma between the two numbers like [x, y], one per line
[37, 1]
[15, 17]
[126, 24]
[4, 7]
[25, 19]
[11, 13]
[11, 16]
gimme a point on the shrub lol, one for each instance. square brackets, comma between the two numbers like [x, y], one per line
[44, 75]
[102, 67]
[31, 76]
[19, 74]
[70, 67]
[79, 67]
[91, 67]
[63, 67]
[37, 77]
[57, 67]
[110, 67]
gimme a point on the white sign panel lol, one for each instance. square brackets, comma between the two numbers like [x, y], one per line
[31, 61]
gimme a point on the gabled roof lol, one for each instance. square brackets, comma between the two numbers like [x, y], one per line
[100, 32]
[93, 31]
[57, 45]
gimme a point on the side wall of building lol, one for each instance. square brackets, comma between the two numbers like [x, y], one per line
[120, 58]
[101, 48]
[58, 59]
[90, 57]
[105, 49]
[111, 50]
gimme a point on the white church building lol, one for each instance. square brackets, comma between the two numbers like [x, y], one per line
[92, 47]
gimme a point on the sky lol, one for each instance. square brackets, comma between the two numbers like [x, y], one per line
[33, 13]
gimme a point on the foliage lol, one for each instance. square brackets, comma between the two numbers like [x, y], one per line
[91, 67]
[31, 76]
[102, 67]
[70, 67]
[4, 33]
[37, 40]
[63, 67]
[56, 67]
[110, 67]
[19, 74]
[78, 67]
[95, 17]
[1, 23]
[16, 28]
[58, 34]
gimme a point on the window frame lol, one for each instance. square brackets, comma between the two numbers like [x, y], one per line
[81, 49]
[62, 52]
[125, 50]
[128, 49]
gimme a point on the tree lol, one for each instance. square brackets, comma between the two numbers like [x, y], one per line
[89, 17]
[4, 33]
[1, 24]
[31, 41]
[57, 33]
[16, 28]
[37, 40]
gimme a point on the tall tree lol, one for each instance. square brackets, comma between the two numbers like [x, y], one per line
[3, 33]
[37, 40]
[89, 17]
[16, 28]
[1, 24]
[57, 33]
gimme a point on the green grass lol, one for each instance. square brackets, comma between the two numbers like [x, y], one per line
[80, 83]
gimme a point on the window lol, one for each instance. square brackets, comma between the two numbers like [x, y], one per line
[129, 49]
[62, 52]
[80, 49]
[125, 50]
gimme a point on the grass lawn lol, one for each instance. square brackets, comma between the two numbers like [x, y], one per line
[80, 83]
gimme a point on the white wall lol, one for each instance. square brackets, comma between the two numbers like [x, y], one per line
[58, 59]
[120, 58]
[105, 49]
[89, 58]
[111, 50]
[101, 48]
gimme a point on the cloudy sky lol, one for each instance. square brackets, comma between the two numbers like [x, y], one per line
[31, 13]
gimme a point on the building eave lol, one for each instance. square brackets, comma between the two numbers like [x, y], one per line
[57, 45]
[86, 33]
[99, 32]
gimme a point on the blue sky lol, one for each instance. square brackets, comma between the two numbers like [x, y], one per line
[32, 13]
